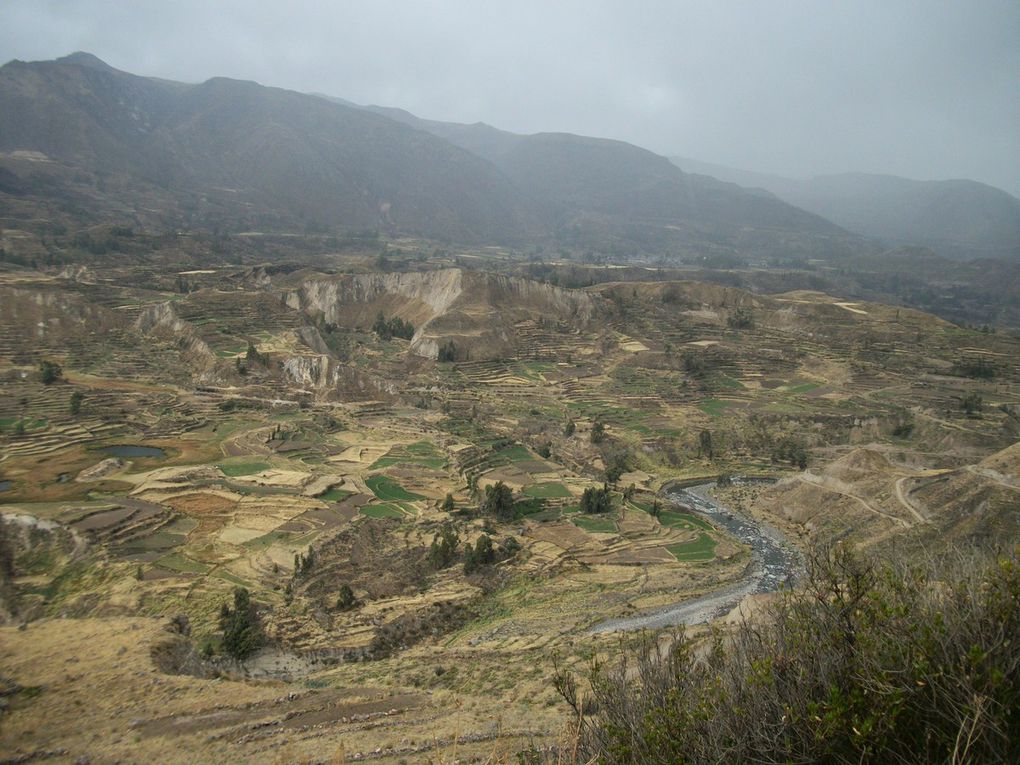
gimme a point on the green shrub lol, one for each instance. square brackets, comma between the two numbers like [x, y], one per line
[49, 372]
[864, 664]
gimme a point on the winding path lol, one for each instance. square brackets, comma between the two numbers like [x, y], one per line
[773, 562]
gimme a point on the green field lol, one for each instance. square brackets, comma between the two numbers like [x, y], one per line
[595, 524]
[514, 453]
[422, 453]
[683, 521]
[235, 469]
[713, 406]
[550, 490]
[673, 519]
[382, 511]
[386, 489]
[334, 495]
[700, 549]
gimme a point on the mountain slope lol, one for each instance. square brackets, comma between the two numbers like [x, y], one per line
[957, 218]
[243, 154]
[611, 186]
[82, 140]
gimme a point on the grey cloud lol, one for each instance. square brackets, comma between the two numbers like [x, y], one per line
[921, 89]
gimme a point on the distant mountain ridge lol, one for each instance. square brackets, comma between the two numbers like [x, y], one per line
[235, 154]
[958, 218]
[81, 137]
[612, 182]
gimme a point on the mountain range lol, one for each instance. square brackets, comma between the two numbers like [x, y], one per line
[82, 142]
[960, 219]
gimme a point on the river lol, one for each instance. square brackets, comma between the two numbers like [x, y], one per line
[774, 561]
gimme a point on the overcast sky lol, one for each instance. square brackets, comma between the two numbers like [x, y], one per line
[925, 89]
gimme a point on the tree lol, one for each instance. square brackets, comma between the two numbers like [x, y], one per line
[447, 351]
[303, 564]
[74, 405]
[482, 554]
[740, 318]
[617, 463]
[972, 404]
[252, 356]
[345, 599]
[241, 626]
[499, 502]
[705, 444]
[448, 504]
[395, 327]
[694, 365]
[444, 547]
[569, 428]
[598, 432]
[596, 501]
[49, 372]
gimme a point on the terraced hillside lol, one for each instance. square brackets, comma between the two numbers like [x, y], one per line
[426, 512]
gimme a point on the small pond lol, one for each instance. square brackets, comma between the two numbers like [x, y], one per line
[133, 450]
[6, 485]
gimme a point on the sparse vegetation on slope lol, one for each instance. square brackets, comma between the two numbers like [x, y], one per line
[868, 663]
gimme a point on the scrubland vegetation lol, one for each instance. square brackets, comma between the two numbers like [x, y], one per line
[867, 661]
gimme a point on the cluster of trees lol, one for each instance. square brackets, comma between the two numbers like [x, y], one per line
[596, 501]
[303, 564]
[252, 357]
[387, 329]
[482, 554]
[499, 502]
[791, 450]
[443, 551]
[617, 461]
[50, 372]
[241, 626]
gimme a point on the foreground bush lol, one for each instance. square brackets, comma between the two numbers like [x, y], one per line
[863, 664]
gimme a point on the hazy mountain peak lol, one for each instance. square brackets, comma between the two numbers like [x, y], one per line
[83, 58]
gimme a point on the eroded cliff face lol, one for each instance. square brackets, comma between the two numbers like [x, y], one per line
[328, 378]
[435, 291]
[161, 319]
[477, 311]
